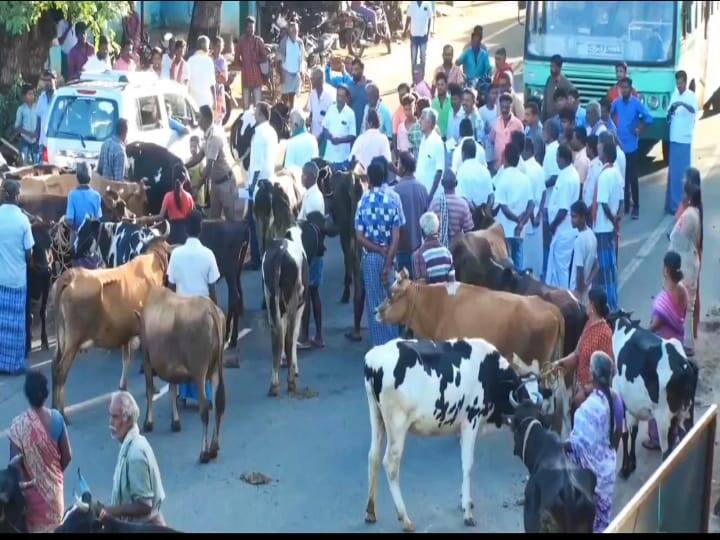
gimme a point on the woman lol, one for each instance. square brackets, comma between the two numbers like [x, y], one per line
[40, 436]
[596, 336]
[176, 207]
[594, 439]
[686, 239]
[221, 77]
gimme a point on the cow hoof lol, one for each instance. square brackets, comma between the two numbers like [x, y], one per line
[204, 457]
[470, 522]
[370, 518]
[274, 390]
[345, 298]
[408, 527]
[213, 453]
[175, 426]
[148, 427]
[292, 387]
[45, 346]
[625, 473]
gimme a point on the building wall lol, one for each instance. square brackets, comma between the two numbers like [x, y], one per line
[177, 14]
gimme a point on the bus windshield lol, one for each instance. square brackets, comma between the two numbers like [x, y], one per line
[602, 32]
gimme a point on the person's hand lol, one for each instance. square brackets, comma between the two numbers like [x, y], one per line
[518, 230]
[558, 365]
[387, 269]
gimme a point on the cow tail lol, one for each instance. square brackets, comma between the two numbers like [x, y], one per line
[560, 341]
[219, 320]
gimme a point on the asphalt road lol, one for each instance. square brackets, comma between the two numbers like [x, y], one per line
[315, 449]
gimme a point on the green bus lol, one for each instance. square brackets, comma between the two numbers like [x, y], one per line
[655, 39]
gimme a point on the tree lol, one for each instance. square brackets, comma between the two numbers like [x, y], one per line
[206, 17]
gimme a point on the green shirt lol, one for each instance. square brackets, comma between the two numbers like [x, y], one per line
[443, 112]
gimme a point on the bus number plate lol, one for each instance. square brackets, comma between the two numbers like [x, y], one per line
[600, 50]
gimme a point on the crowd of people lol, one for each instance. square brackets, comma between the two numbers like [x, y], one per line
[558, 176]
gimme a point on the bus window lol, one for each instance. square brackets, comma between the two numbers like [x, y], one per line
[686, 22]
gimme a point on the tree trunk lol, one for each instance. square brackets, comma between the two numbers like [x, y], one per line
[205, 21]
[25, 54]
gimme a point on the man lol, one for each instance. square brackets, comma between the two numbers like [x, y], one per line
[320, 99]
[419, 86]
[250, 55]
[291, 55]
[453, 131]
[168, 49]
[502, 67]
[584, 256]
[551, 132]
[474, 181]
[132, 27]
[26, 125]
[573, 102]
[137, 492]
[80, 53]
[532, 123]
[621, 72]
[555, 81]
[100, 61]
[594, 124]
[201, 76]
[452, 211]
[513, 203]
[417, 27]
[83, 201]
[414, 201]
[607, 222]
[16, 241]
[453, 73]
[113, 160]
[620, 167]
[431, 155]
[179, 71]
[474, 60]
[590, 185]
[125, 61]
[368, 15]
[567, 122]
[489, 114]
[339, 131]
[632, 116]
[505, 84]
[344, 77]
[470, 111]
[263, 147]
[441, 103]
[578, 143]
[467, 133]
[564, 194]
[533, 155]
[42, 108]
[606, 118]
[506, 123]
[560, 99]
[681, 114]
[370, 144]
[374, 102]
[432, 262]
[358, 99]
[301, 147]
[398, 117]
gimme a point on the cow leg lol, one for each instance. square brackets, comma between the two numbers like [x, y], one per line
[468, 435]
[174, 412]
[147, 368]
[218, 390]
[633, 440]
[396, 433]
[291, 337]
[125, 365]
[346, 245]
[664, 427]
[629, 449]
[64, 359]
[204, 407]
[28, 322]
[377, 429]
[276, 335]
[43, 315]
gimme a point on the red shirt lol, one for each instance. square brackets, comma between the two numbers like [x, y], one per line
[499, 70]
[173, 212]
[250, 53]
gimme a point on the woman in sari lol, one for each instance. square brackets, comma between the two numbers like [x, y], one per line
[40, 436]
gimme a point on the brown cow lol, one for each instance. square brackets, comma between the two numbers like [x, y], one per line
[474, 252]
[96, 308]
[183, 339]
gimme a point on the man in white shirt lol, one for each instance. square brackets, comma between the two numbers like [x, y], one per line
[263, 147]
[474, 180]
[681, 114]
[168, 44]
[489, 113]
[302, 146]
[417, 26]
[584, 257]
[466, 134]
[339, 131]
[590, 186]
[513, 204]
[431, 154]
[43, 107]
[370, 144]
[291, 52]
[201, 77]
[564, 194]
[320, 99]
[533, 155]
[100, 61]
[551, 130]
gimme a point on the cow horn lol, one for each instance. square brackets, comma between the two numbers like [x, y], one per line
[513, 401]
[15, 461]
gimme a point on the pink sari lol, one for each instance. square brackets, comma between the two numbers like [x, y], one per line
[41, 461]
[671, 316]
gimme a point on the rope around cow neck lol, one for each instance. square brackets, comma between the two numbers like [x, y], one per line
[61, 240]
[531, 424]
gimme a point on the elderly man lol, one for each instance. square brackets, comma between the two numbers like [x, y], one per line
[371, 144]
[467, 133]
[137, 492]
[414, 201]
[16, 241]
[201, 76]
[291, 53]
[301, 147]
[113, 159]
[320, 99]
[452, 211]
[431, 155]
[374, 102]
[432, 262]
[250, 54]
[594, 125]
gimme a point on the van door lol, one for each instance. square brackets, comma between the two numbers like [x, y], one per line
[183, 112]
[152, 126]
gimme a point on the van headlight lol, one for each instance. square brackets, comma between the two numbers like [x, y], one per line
[653, 102]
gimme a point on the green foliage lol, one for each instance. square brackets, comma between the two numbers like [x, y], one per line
[9, 103]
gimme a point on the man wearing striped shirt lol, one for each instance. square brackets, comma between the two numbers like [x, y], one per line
[432, 262]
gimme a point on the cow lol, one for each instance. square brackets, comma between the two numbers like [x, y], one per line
[285, 282]
[12, 500]
[183, 339]
[276, 205]
[243, 129]
[477, 254]
[655, 381]
[48, 208]
[558, 493]
[153, 165]
[96, 308]
[432, 388]
[39, 280]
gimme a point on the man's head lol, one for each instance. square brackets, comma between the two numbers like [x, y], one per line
[203, 43]
[156, 60]
[262, 113]
[310, 173]
[528, 148]
[82, 173]
[511, 155]
[103, 47]
[609, 152]
[408, 105]
[579, 215]
[297, 119]
[342, 96]
[127, 50]
[417, 75]
[358, 70]
[428, 120]
[505, 105]
[567, 120]
[180, 48]
[500, 57]
[449, 182]
[605, 108]
[218, 44]
[124, 414]
[447, 55]
[560, 99]
[317, 78]
[421, 104]
[206, 117]
[592, 113]
[376, 174]
[48, 79]
[373, 94]
[620, 71]
[564, 156]
[429, 224]
[532, 114]
[469, 150]
[517, 139]
[551, 130]
[466, 129]
[250, 26]
[556, 63]
[406, 164]
[573, 99]
[681, 81]
[193, 225]
[10, 191]
[28, 94]
[504, 82]
[625, 87]
[591, 146]
[194, 145]
[476, 37]
[468, 100]
[578, 139]
[122, 129]
[81, 32]
[455, 92]
[492, 95]
[373, 120]
[441, 84]
[403, 89]
[293, 30]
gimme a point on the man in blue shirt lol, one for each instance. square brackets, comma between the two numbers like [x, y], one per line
[112, 160]
[632, 116]
[336, 80]
[358, 93]
[475, 60]
[83, 201]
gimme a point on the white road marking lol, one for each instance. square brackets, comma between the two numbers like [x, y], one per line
[41, 364]
[648, 246]
[161, 393]
[498, 32]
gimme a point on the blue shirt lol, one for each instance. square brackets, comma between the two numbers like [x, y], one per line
[82, 202]
[475, 66]
[337, 80]
[111, 163]
[377, 216]
[628, 113]
[358, 101]
[385, 119]
[15, 239]
[580, 115]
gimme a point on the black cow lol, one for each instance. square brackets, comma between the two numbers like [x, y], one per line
[243, 129]
[116, 243]
[558, 494]
[12, 501]
[44, 206]
[655, 380]
[39, 279]
[153, 165]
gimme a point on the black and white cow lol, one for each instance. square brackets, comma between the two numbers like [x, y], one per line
[243, 129]
[655, 380]
[285, 282]
[116, 243]
[432, 388]
[153, 165]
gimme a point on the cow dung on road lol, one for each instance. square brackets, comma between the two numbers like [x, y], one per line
[256, 479]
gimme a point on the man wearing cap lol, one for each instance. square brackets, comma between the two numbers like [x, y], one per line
[250, 53]
[42, 109]
[301, 147]
[16, 241]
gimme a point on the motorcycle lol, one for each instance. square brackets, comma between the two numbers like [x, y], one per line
[382, 32]
[352, 31]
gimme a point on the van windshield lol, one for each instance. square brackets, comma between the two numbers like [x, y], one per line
[86, 119]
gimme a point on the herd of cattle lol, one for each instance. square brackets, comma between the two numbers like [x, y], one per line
[481, 355]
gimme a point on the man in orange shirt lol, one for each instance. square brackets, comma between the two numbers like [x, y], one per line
[403, 89]
[505, 124]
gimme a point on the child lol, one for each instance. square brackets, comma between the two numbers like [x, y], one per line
[26, 126]
[584, 257]
[196, 175]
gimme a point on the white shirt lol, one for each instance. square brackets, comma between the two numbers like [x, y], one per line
[263, 151]
[584, 255]
[565, 193]
[300, 149]
[682, 122]
[43, 113]
[620, 165]
[369, 145]
[165, 64]
[457, 155]
[292, 61]
[95, 65]
[339, 124]
[536, 174]
[313, 201]
[419, 15]
[609, 192]
[431, 159]
[550, 165]
[192, 269]
[201, 78]
[318, 107]
[15, 239]
[513, 190]
[591, 181]
[489, 116]
[70, 39]
[474, 182]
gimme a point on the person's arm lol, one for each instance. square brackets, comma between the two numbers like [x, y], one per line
[64, 447]
[655, 324]
[580, 279]
[70, 210]
[608, 213]
[538, 216]
[390, 255]
[461, 58]
[436, 183]
[138, 476]
[558, 220]
[131, 510]
[406, 30]
[524, 217]
[468, 223]
[368, 245]
[568, 362]
[193, 161]
[212, 293]
[62, 38]
[644, 118]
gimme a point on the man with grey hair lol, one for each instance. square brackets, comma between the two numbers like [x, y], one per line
[432, 262]
[137, 492]
[301, 147]
[375, 102]
[320, 99]
[201, 81]
[593, 121]
[291, 53]
[452, 211]
[431, 155]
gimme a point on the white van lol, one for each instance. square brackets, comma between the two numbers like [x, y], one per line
[84, 114]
